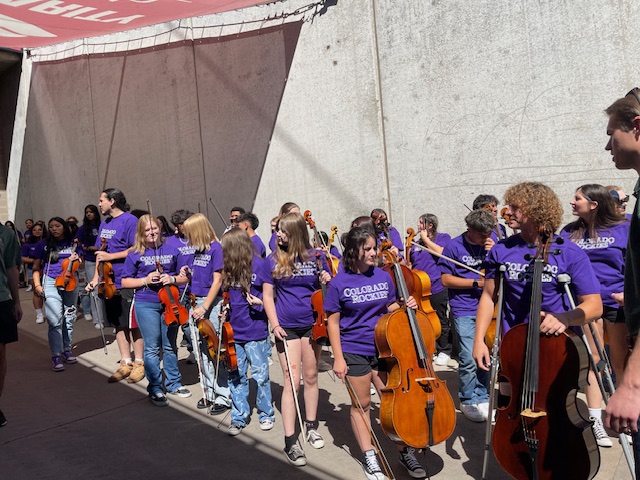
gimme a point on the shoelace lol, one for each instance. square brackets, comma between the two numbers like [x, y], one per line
[410, 459]
[372, 463]
[598, 428]
[296, 452]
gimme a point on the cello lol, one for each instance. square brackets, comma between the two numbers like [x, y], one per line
[540, 434]
[416, 407]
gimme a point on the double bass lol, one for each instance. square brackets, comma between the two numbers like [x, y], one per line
[416, 407]
[540, 434]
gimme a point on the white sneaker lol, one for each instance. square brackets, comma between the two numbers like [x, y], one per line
[314, 438]
[472, 412]
[88, 317]
[39, 318]
[97, 325]
[371, 466]
[442, 359]
[602, 438]
[484, 409]
[29, 288]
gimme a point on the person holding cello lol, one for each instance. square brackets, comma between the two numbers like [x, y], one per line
[54, 258]
[150, 266]
[535, 209]
[243, 279]
[425, 261]
[292, 276]
[117, 231]
[464, 288]
[206, 280]
[356, 299]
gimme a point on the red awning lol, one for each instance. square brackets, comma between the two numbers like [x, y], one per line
[35, 23]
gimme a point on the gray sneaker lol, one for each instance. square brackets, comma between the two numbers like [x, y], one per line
[409, 461]
[371, 466]
[159, 399]
[314, 438]
[295, 455]
[235, 429]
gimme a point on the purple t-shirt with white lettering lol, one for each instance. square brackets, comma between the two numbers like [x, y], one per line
[463, 301]
[361, 300]
[182, 244]
[249, 322]
[607, 254]
[293, 294]
[203, 266]
[564, 258]
[120, 233]
[262, 250]
[139, 265]
[423, 260]
[64, 249]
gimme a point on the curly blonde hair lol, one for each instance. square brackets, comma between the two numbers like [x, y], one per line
[538, 203]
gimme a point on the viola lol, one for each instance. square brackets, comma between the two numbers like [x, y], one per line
[540, 434]
[416, 406]
[220, 347]
[67, 280]
[319, 328]
[106, 285]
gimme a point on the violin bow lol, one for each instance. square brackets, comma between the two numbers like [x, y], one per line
[372, 434]
[455, 262]
[293, 389]
[221, 217]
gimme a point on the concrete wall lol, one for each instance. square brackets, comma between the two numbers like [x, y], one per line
[419, 106]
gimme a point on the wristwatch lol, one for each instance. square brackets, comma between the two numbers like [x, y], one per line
[475, 284]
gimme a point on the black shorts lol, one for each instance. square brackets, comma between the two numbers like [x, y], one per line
[613, 315]
[8, 323]
[297, 333]
[360, 365]
[117, 308]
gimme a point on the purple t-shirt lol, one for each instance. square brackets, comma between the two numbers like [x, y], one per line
[273, 241]
[463, 301]
[565, 258]
[261, 249]
[64, 249]
[139, 265]
[335, 252]
[90, 241]
[395, 238]
[293, 294]
[182, 244]
[203, 266]
[607, 254]
[361, 300]
[249, 322]
[503, 232]
[28, 250]
[423, 260]
[120, 233]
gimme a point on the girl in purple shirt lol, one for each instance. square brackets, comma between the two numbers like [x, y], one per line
[356, 299]
[243, 277]
[292, 276]
[602, 233]
[150, 265]
[205, 269]
[28, 259]
[288, 207]
[60, 304]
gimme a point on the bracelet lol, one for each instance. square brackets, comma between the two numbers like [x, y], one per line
[173, 279]
[144, 282]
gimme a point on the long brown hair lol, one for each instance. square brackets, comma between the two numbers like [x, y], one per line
[604, 215]
[237, 252]
[295, 226]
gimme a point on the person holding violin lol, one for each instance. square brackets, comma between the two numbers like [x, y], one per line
[28, 250]
[425, 261]
[292, 277]
[353, 312]
[288, 207]
[464, 289]
[205, 271]
[249, 222]
[58, 257]
[118, 230]
[386, 231]
[490, 203]
[243, 278]
[603, 234]
[150, 266]
[87, 235]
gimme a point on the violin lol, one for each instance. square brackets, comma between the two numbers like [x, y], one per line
[220, 348]
[332, 260]
[332, 237]
[106, 285]
[540, 434]
[67, 280]
[416, 406]
[381, 223]
[319, 328]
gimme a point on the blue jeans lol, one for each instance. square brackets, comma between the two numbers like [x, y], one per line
[216, 390]
[474, 382]
[85, 300]
[158, 337]
[254, 354]
[61, 313]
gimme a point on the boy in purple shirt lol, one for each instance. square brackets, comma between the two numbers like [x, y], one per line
[249, 222]
[464, 288]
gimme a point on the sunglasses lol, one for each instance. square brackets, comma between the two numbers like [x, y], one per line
[617, 198]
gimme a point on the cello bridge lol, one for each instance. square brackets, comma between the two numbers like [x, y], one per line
[425, 379]
[527, 412]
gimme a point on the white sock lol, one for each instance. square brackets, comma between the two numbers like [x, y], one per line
[127, 361]
[140, 360]
[38, 311]
[595, 412]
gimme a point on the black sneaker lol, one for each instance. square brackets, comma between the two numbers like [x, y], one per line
[3, 419]
[295, 455]
[159, 399]
[202, 404]
[218, 409]
[182, 392]
[371, 466]
[409, 461]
